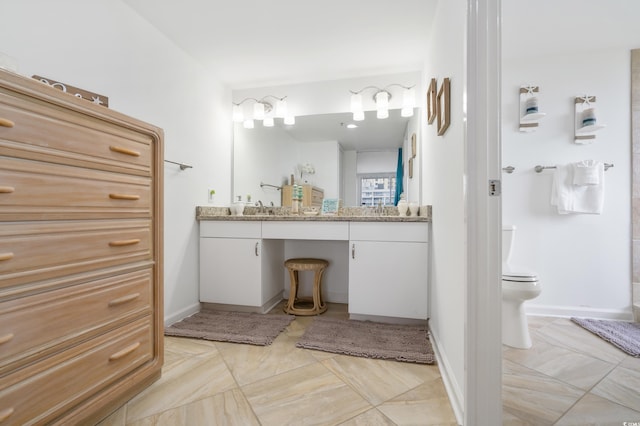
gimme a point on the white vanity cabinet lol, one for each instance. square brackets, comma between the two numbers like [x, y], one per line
[388, 270]
[237, 267]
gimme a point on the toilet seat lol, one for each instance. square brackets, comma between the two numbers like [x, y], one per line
[519, 277]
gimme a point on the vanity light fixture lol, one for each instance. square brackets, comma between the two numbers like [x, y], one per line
[382, 98]
[264, 111]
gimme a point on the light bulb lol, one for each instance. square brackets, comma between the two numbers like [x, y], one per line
[382, 104]
[406, 112]
[248, 124]
[258, 111]
[267, 122]
[238, 116]
[408, 102]
[356, 103]
[281, 108]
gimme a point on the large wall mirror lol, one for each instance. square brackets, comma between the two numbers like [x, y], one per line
[337, 155]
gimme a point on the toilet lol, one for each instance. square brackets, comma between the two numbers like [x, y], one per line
[518, 285]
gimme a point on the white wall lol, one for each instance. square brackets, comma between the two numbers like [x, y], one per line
[583, 261]
[412, 186]
[325, 157]
[274, 151]
[103, 46]
[443, 187]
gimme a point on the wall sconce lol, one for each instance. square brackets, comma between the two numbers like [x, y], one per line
[530, 116]
[382, 98]
[263, 111]
[585, 119]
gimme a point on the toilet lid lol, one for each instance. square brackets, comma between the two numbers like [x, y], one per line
[526, 277]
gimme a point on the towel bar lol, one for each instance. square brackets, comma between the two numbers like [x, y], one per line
[539, 168]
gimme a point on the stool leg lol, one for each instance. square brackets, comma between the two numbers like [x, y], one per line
[293, 291]
[318, 304]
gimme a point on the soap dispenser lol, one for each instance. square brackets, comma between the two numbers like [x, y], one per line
[402, 205]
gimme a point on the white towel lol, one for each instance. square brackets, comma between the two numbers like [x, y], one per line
[570, 198]
[587, 172]
[561, 189]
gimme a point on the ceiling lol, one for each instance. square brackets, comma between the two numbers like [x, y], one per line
[258, 43]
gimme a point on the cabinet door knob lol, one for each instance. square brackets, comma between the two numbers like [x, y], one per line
[121, 243]
[6, 338]
[6, 256]
[125, 151]
[124, 299]
[353, 251]
[256, 249]
[124, 352]
[124, 196]
[6, 122]
[5, 414]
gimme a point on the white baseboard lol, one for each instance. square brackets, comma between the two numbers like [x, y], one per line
[451, 385]
[577, 311]
[183, 313]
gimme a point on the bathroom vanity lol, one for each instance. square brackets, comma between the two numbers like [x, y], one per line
[242, 257]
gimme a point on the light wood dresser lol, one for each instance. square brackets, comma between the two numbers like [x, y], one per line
[81, 309]
[311, 196]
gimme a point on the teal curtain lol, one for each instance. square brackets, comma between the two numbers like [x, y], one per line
[399, 177]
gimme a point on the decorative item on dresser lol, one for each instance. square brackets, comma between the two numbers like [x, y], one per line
[311, 196]
[81, 310]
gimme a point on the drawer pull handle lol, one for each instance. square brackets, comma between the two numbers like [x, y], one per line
[124, 299]
[126, 151]
[124, 197]
[6, 189]
[6, 256]
[121, 243]
[5, 414]
[126, 351]
[7, 337]
[6, 123]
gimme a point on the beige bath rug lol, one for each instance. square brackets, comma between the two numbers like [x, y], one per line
[622, 334]
[408, 343]
[235, 327]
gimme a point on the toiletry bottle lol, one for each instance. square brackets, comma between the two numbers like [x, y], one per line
[294, 199]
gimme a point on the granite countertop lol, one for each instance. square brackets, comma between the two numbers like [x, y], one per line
[345, 214]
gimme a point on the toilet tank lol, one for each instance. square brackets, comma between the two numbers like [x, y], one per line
[508, 234]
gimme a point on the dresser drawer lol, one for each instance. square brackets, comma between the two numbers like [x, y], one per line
[39, 393]
[42, 250]
[34, 326]
[43, 133]
[32, 190]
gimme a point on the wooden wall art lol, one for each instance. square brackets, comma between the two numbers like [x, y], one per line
[444, 107]
[431, 101]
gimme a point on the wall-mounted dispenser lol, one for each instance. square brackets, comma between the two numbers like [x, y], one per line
[585, 119]
[530, 114]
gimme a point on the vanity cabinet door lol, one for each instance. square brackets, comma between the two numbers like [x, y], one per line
[388, 278]
[230, 271]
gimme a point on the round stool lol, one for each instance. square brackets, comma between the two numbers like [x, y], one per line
[317, 305]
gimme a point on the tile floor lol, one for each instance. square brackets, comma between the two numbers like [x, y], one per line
[568, 377]
[215, 383]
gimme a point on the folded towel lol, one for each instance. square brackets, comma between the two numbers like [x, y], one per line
[561, 189]
[587, 172]
[570, 198]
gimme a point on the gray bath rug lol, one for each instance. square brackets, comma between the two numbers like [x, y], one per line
[624, 335]
[408, 343]
[235, 327]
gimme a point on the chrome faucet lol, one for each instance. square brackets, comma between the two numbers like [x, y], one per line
[261, 209]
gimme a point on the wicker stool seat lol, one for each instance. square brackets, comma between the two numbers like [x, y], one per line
[314, 305]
